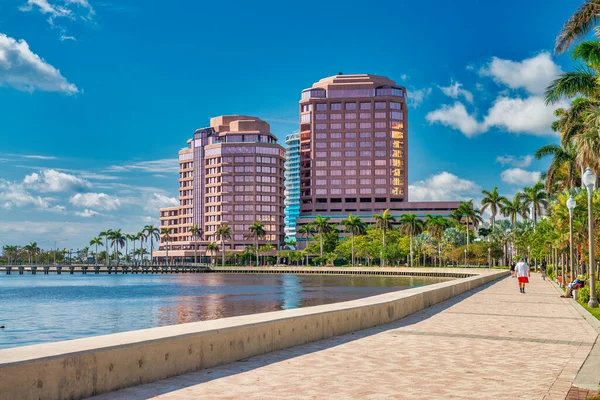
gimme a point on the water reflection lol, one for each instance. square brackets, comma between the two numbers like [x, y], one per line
[40, 308]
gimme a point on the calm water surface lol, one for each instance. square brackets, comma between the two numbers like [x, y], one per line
[37, 308]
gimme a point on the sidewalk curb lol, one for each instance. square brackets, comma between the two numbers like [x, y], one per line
[588, 376]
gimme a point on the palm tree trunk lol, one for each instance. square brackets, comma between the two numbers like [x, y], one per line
[195, 253]
[256, 244]
[468, 231]
[321, 243]
[352, 263]
[107, 251]
[383, 249]
[411, 250]
[167, 251]
[222, 252]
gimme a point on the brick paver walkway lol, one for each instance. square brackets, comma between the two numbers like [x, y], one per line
[493, 343]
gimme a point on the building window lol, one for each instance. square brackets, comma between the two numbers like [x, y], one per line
[365, 135]
[305, 118]
[335, 116]
[321, 136]
[350, 135]
[335, 182]
[321, 154]
[350, 181]
[365, 106]
[380, 134]
[380, 144]
[336, 106]
[395, 106]
[322, 107]
[365, 163]
[364, 172]
[365, 190]
[350, 106]
[379, 115]
[336, 191]
[380, 172]
[365, 153]
[380, 105]
[336, 163]
[336, 126]
[350, 116]
[320, 127]
[365, 144]
[336, 145]
[321, 163]
[365, 125]
[365, 115]
[321, 182]
[350, 125]
[380, 124]
[336, 154]
[396, 115]
[351, 172]
[380, 181]
[350, 154]
[350, 191]
[336, 135]
[350, 163]
[380, 153]
[350, 145]
[380, 163]
[336, 172]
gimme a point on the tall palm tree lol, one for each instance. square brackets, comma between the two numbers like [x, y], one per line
[355, 226]
[128, 237]
[578, 25]
[384, 222]
[141, 237]
[492, 201]
[563, 171]
[307, 231]
[212, 247]
[97, 241]
[118, 241]
[410, 225]
[323, 227]
[436, 225]
[513, 209]
[471, 215]
[536, 198]
[256, 232]
[224, 232]
[106, 234]
[166, 237]
[197, 233]
[30, 248]
[151, 233]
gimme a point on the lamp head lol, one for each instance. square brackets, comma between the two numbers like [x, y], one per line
[589, 178]
[571, 203]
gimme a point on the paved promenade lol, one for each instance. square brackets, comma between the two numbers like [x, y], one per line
[491, 343]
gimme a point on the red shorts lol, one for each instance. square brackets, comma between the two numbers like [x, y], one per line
[523, 279]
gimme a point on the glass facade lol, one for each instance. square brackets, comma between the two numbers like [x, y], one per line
[292, 184]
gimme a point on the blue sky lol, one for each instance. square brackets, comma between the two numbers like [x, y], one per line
[97, 96]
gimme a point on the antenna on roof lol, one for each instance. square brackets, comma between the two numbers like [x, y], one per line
[340, 73]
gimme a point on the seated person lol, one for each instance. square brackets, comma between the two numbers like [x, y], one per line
[574, 285]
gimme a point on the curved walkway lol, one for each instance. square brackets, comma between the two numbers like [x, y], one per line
[491, 343]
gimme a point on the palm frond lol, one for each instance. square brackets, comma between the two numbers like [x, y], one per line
[580, 23]
[581, 82]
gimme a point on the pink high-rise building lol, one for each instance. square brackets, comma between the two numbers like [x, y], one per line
[354, 150]
[230, 173]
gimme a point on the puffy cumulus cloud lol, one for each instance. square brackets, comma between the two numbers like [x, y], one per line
[416, 96]
[443, 186]
[24, 70]
[13, 194]
[86, 213]
[529, 115]
[157, 200]
[521, 177]
[51, 180]
[532, 74]
[99, 201]
[514, 161]
[457, 117]
[456, 90]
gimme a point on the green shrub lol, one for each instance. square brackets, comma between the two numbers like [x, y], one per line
[583, 295]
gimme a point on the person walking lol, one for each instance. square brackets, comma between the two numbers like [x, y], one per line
[512, 269]
[543, 269]
[523, 274]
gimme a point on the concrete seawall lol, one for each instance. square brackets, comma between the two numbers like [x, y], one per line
[84, 367]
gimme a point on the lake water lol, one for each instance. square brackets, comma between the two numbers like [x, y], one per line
[46, 308]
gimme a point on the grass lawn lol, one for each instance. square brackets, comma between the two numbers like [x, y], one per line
[594, 311]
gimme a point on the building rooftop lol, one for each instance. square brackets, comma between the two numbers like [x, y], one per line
[353, 81]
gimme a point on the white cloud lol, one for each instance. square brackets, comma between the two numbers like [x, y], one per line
[38, 157]
[529, 115]
[404, 77]
[532, 74]
[101, 201]
[521, 177]
[514, 161]
[456, 90]
[416, 96]
[157, 200]
[51, 180]
[154, 166]
[13, 194]
[86, 213]
[24, 70]
[457, 117]
[443, 186]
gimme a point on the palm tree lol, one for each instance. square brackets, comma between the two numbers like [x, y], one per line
[224, 232]
[436, 226]
[256, 232]
[471, 214]
[562, 173]
[323, 227]
[307, 230]
[128, 237]
[493, 202]
[97, 241]
[410, 225]
[106, 234]
[384, 222]
[118, 240]
[197, 233]
[536, 198]
[30, 248]
[354, 226]
[141, 237]
[213, 248]
[578, 25]
[141, 252]
[513, 209]
[151, 232]
[165, 232]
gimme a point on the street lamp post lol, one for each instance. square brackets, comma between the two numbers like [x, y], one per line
[465, 257]
[589, 180]
[571, 206]
[529, 256]
[489, 257]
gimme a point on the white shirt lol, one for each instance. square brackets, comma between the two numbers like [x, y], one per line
[522, 269]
